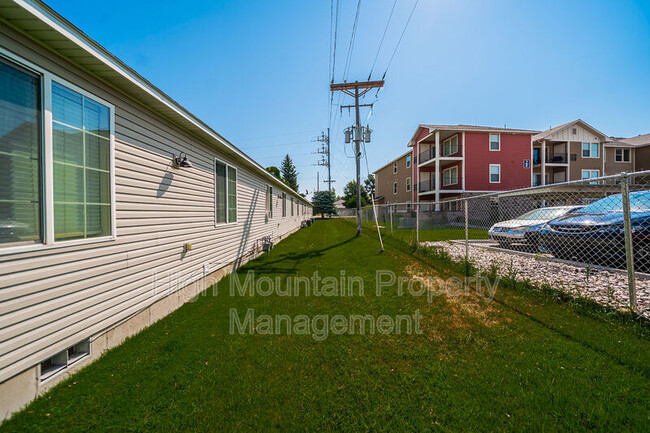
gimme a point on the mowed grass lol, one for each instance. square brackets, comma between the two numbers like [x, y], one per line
[430, 234]
[521, 362]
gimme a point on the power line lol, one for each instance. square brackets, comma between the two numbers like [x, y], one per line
[382, 39]
[400, 39]
[348, 60]
[336, 30]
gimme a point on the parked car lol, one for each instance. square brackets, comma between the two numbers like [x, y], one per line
[595, 233]
[526, 228]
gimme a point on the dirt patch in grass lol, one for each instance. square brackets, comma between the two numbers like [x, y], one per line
[465, 302]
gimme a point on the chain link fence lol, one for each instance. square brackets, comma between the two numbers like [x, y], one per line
[589, 238]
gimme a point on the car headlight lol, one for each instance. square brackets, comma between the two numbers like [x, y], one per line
[522, 229]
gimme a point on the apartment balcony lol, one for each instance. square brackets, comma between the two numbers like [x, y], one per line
[426, 185]
[427, 155]
[555, 158]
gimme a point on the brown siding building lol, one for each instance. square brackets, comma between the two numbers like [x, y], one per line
[394, 181]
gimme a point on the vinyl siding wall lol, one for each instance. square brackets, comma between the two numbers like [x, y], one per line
[52, 298]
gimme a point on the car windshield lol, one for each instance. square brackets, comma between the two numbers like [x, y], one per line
[639, 202]
[547, 213]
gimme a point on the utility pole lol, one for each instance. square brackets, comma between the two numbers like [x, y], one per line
[357, 90]
[325, 151]
[317, 181]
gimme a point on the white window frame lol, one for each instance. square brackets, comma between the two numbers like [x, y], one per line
[46, 376]
[394, 187]
[408, 161]
[269, 203]
[395, 167]
[490, 173]
[455, 168]
[590, 171]
[408, 184]
[47, 160]
[284, 205]
[490, 142]
[591, 148]
[623, 160]
[214, 169]
[446, 143]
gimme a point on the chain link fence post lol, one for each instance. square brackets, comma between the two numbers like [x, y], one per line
[629, 253]
[417, 224]
[466, 238]
[390, 211]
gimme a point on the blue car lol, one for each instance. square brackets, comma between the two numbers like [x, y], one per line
[595, 233]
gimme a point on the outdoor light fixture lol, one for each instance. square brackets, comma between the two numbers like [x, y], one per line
[182, 161]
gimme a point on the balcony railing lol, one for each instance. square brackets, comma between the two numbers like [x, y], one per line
[557, 158]
[427, 155]
[554, 158]
[426, 185]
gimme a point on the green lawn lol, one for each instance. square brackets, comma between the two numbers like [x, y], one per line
[441, 233]
[522, 362]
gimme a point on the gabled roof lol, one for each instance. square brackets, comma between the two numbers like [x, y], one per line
[544, 134]
[42, 24]
[478, 128]
[460, 128]
[638, 141]
[393, 160]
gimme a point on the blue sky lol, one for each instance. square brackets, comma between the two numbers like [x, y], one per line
[257, 71]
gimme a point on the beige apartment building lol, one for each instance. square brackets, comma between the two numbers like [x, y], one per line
[630, 154]
[394, 181]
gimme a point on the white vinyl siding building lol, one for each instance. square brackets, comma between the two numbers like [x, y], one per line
[117, 236]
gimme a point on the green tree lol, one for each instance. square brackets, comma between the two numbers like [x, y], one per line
[289, 173]
[274, 171]
[323, 202]
[350, 195]
[369, 185]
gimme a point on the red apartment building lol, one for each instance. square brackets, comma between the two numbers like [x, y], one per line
[458, 159]
[453, 160]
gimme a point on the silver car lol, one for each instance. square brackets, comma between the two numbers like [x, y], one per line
[526, 228]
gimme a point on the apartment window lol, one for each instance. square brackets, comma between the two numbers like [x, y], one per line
[495, 173]
[450, 146]
[450, 176]
[590, 150]
[495, 142]
[622, 155]
[269, 201]
[395, 167]
[226, 193]
[291, 199]
[537, 179]
[590, 174]
[394, 187]
[80, 167]
[408, 183]
[284, 204]
[408, 161]
[20, 153]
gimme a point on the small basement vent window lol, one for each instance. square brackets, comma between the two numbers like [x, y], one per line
[64, 359]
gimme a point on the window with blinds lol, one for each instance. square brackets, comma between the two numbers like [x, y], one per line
[81, 153]
[225, 193]
[20, 156]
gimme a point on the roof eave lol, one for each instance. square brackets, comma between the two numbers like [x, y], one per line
[127, 81]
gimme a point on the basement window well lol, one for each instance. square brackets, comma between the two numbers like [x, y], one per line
[64, 359]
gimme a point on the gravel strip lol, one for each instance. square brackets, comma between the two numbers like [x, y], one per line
[603, 286]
